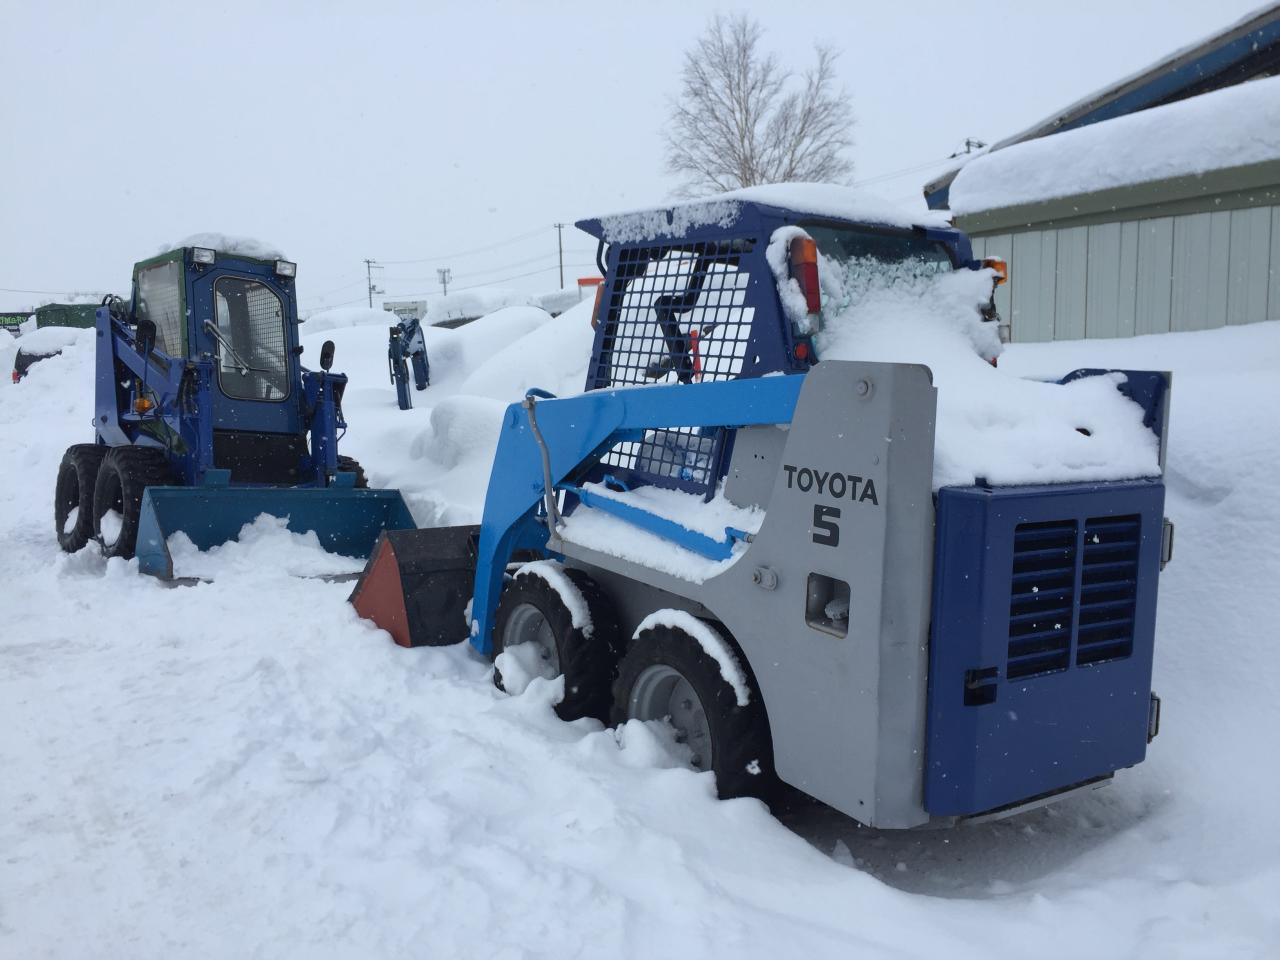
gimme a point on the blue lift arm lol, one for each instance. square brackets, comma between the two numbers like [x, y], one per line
[576, 431]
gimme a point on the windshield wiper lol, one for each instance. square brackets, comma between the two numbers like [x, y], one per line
[243, 365]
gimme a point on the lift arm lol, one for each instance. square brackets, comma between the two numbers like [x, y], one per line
[577, 430]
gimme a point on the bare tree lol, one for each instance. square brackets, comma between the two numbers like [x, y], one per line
[741, 119]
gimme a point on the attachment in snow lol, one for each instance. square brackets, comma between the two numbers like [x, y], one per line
[418, 583]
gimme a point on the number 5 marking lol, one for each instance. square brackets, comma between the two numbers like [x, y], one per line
[825, 530]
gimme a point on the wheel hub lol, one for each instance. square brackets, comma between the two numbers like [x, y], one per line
[527, 625]
[661, 692]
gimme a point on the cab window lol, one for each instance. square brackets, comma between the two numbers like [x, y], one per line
[252, 360]
[160, 301]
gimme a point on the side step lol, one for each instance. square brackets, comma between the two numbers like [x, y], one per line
[418, 584]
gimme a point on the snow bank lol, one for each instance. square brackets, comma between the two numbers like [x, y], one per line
[712, 644]
[230, 245]
[1227, 128]
[340, 318]
[470, 304]
[552, 355]
[439, 452]
[990, 424]
[51, 339]
[723, 210]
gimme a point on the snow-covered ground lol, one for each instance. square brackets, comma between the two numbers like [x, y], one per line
[245, 769]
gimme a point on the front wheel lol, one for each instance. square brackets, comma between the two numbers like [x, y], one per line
[73, 495]
[667, 675]
[117, 496]
[535, 621]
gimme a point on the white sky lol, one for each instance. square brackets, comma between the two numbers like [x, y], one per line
[401, 132]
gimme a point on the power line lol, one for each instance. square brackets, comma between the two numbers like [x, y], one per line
[470, 274]
[894, 174]
[318, 296]
[332, 306]
[467, 253]
[490, 283]
[476, 273]
[53, 293]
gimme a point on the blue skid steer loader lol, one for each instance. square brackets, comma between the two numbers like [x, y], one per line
[906, 655]
[202, 417]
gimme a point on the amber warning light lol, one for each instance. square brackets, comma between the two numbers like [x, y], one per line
[804, 269]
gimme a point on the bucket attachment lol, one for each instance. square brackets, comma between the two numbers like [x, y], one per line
[418, 583]
[346, 520]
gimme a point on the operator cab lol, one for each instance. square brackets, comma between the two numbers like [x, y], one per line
[692, 295]
[687, 301]
[239, 310]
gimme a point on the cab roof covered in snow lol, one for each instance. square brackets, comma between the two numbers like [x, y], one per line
[753, 205]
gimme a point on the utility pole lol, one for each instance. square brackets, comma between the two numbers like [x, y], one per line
[560, 246]
[369, 266]
[970, 145]
[445, 275]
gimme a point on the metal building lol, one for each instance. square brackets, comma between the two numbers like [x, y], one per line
[1147, 207]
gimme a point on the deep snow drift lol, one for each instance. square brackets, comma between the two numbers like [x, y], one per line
[243, 768]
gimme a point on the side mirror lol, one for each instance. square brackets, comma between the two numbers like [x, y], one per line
[145, 336]
[326, 356]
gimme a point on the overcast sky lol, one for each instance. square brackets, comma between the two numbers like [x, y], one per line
[421, 132]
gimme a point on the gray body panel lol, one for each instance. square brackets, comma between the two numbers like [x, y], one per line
[847, 712]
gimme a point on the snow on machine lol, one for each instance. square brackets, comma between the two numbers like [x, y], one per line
[916, 593]
[203, 413]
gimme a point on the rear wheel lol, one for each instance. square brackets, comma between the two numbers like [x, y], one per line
[117, 496]
[666, 675]
[532, 612]
[73, 495]
[352, 465]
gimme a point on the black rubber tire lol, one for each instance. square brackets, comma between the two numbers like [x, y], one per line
[589, 664]
[352, 465]
[741, 745]
[77, 475]
[125, 473]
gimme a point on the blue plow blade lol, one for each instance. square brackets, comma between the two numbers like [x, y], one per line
[346, 520]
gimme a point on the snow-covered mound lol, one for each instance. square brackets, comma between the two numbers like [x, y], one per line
[991, 424]
[51, 339]
[339, 318]
[244, 768]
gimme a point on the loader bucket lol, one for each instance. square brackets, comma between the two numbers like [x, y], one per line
[418, 583]
[347, 520]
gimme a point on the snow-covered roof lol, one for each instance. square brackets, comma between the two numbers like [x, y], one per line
[231, 245]
[1240, 51]
[816, 199]
[1231, 127]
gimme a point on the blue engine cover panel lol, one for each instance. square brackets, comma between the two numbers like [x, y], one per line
[1044, 604]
